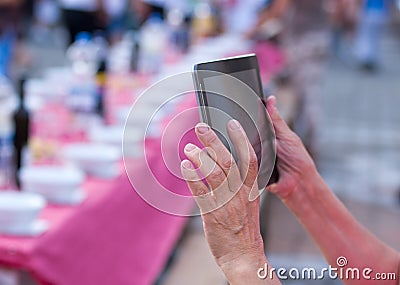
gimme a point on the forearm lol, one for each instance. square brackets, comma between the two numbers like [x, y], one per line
[336, 232]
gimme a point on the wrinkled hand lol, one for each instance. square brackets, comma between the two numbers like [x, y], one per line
[231, 220]
[295, 165]
[230, 215]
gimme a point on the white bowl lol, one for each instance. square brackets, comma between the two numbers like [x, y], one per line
[19, 209]
[94, 158]
[56, 183]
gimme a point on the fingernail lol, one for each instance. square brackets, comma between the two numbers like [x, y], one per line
[233, 125]
[187, 164]
[202, 128]
[189, 147]
[273, 100]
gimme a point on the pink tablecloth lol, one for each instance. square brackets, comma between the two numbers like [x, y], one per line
[113, 238]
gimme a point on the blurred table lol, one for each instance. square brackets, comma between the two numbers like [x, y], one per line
[113, 237]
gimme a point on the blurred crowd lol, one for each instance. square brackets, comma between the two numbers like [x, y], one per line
[304, 30]
[361, 19]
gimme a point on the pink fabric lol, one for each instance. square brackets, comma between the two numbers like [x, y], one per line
[113, 237]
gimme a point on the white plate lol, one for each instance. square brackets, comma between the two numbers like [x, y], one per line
[33, 229]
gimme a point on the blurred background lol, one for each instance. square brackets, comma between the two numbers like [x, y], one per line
[71, 69]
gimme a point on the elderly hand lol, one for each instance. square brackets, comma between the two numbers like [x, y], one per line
[231, 220]
[230, 217]
[295, 165]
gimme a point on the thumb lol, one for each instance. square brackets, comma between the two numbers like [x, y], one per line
[280, 126]
[272, 188]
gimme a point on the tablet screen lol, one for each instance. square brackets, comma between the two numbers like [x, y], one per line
[239, 98]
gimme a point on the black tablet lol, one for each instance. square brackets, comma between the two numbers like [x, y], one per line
[231, 88]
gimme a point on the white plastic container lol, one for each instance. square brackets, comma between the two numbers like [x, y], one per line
[58, 184]
[96, 159]
[117, 136]
[19, 212]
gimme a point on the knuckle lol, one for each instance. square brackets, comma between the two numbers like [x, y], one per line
[202, 192]
[191, 176]
[216, 175]
[198, 156]
[211, 139]
[193, 155]
[253, 161]
[227, 163]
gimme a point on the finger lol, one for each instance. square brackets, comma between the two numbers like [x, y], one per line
[280, 126]
[207, 166]
[196, 185]
[200, 192]
[247, 159]
[281, 190]
[272, 188]
[220, 154]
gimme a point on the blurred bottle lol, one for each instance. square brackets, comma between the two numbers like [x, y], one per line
[179, 31]
[204, 22]
[101, 74]
[122, 54]
[83, 94]
[21, 119]
[153, 42]
[101, 45]
[84, 55]
[8, 104]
